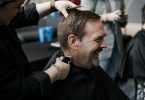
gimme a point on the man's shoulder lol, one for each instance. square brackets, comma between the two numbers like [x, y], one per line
[139, 35]
[137, 42]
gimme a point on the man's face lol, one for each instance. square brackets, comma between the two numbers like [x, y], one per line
[92, 44]
[8, 12]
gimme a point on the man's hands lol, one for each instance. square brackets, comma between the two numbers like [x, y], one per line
[63, 5]
[113, 16]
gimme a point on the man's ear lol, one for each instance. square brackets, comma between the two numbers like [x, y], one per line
[73, 42]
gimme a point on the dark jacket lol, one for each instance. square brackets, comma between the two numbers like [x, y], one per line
[85, 84]
[133, 61]
[17, 82]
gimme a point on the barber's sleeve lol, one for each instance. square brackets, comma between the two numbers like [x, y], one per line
[28, 16]
[15, 84]
[45, 83]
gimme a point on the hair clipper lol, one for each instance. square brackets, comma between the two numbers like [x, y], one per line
[65, 59]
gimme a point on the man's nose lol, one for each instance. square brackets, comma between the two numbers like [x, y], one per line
[103, 44]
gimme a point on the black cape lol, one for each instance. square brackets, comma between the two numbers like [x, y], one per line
[85, 84]
[133, 61]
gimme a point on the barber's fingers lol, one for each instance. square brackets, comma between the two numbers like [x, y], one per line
[116, 17]
[64, 12]
[64, 68]
[59, 62]
[63, 5]
[118, 12]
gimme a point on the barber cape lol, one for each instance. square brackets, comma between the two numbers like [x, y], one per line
[85, 84]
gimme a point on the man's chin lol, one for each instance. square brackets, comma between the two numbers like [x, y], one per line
[95, 62]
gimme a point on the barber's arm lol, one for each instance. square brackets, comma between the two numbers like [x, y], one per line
[46, 8]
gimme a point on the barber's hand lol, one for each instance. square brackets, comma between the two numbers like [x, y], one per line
[64, 68]
[63, 5]
[113, 16]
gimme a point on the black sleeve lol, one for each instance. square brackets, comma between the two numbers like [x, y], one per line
[15, 85]
[137, 58]
[28, 16]
[133, 61]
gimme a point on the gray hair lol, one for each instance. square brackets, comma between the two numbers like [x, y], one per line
[74, 24]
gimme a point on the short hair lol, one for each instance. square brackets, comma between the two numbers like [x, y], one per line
[75, 24]
[3, 3]
[143, 14]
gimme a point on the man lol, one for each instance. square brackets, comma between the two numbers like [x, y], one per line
[110, 13]
[133, 61]
[81, 36]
